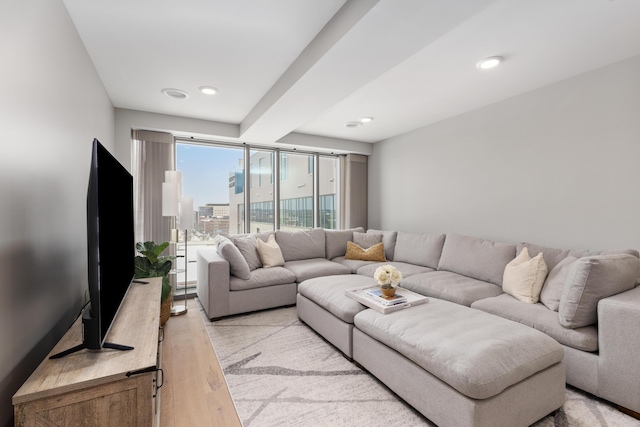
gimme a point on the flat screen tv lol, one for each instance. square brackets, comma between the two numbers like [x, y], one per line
[110, 246]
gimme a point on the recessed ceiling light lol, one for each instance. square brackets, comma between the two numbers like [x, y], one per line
[366, 119]
[208, 90]
[489, 62]
[353, 124]
[175, 93]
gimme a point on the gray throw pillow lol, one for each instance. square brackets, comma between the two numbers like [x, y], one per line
[591, 279]
[237, 264]
[553, 286]
[389, 240]
[366, 240]
[249, 247]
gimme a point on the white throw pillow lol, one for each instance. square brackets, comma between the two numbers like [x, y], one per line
[270, 253]
[524, 277]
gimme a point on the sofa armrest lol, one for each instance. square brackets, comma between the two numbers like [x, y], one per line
[213, 284]
[619, 342]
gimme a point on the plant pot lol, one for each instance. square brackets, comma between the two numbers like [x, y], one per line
[388, 292]
[165, 310]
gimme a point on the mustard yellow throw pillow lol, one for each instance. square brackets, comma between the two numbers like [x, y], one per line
[524, 277]
[270, 253]
[374, 253]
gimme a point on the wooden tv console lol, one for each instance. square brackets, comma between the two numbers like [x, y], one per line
[106, 387]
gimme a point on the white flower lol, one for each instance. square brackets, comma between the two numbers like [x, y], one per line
[387, 276]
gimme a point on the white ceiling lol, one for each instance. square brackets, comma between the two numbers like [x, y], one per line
[309, 66]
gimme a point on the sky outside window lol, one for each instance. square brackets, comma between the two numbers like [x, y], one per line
[205, 171]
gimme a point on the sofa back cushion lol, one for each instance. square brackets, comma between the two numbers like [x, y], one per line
[389, 241]
[336, 241]
[580, 253]
[589, 280]
[237, 264]
[297, 245]
[367, 240]
[477, 258]
[419, 248]
[551, 256]
[248, 247]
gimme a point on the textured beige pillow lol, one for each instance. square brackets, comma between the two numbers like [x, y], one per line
[524, 277]
[374, 253]
[270, 253]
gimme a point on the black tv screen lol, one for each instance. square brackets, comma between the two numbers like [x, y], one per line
[110, 247]
[110, 236]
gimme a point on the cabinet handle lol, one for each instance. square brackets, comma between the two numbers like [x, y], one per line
[159, 373]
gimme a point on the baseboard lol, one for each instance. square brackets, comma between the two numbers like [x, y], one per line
[629, 412]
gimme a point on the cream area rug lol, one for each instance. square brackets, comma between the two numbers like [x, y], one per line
[281, 373]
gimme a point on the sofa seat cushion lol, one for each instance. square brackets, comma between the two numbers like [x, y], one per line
[353, 264]
[541, 318]
[451, 287]
[329, 293]
[406, 269]
[476, 353]
[262, 277]
[315, 267]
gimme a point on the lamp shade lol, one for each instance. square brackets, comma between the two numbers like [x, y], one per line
[186, 213]
[174, 177]
[170, 199]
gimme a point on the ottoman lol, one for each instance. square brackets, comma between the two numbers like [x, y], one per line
[462, 367]
[322, 304]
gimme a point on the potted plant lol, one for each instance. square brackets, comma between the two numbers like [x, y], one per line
[151, 264]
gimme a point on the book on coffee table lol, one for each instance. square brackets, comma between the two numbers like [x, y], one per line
[363, 297]
[377, 295]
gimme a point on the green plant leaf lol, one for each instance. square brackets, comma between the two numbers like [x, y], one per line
[151, 264]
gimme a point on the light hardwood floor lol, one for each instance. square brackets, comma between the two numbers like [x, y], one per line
[194, 392]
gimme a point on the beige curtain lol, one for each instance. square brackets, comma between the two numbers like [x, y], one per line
[153, 153]
[354, 191]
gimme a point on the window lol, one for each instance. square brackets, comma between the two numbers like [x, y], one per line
[214, 175]
[296, 193]
[262, 208]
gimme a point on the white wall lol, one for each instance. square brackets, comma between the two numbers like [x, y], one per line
[52, 105]
[556, 166]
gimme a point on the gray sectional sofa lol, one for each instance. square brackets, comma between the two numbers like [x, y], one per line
[589, 306]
